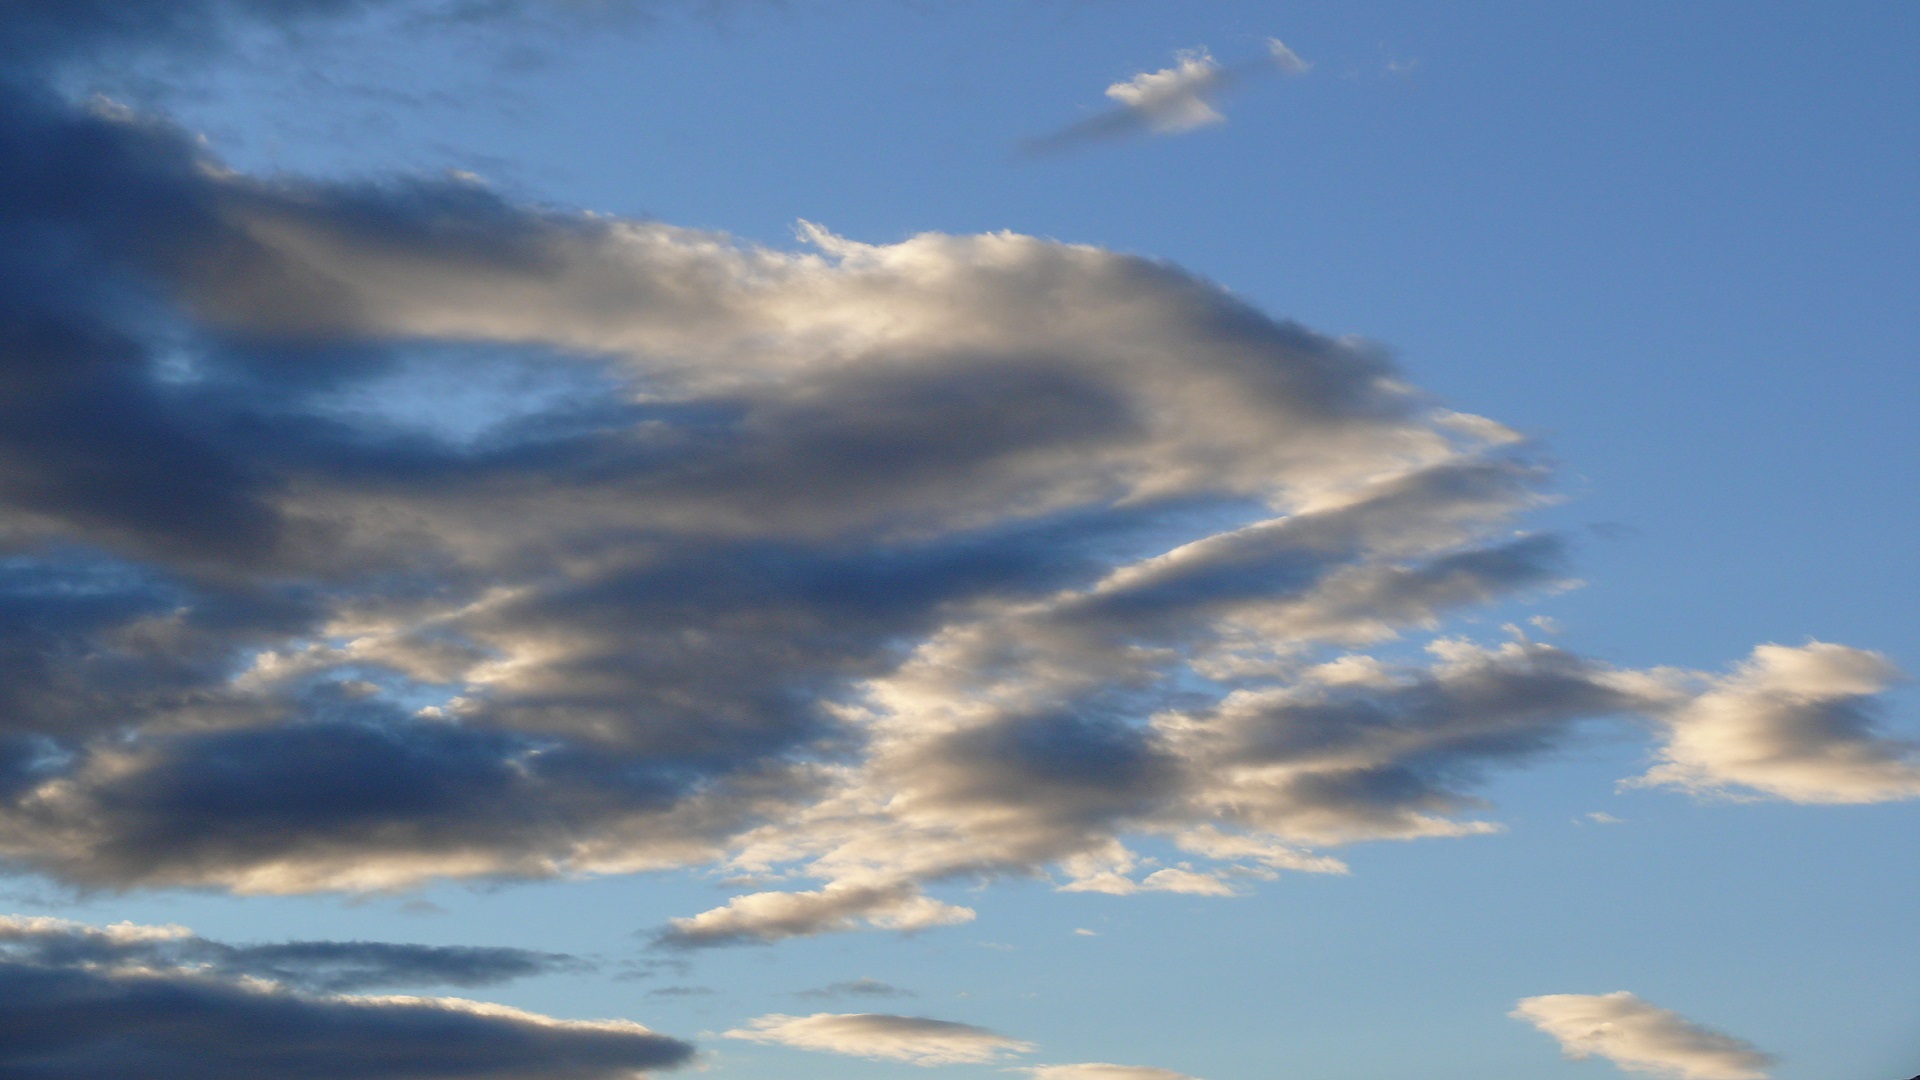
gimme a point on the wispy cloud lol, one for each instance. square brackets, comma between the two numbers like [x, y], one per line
[1641, 1037]
[862, 987]
[915, 1040]
[1172, 100]
[1094, 1070]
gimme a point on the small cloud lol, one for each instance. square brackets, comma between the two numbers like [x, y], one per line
[1084, 932]
[916, 1040]
[1171, 100]
[1100, 1070]
[1641, 1037]
[680, 991]
[856, 988]
[1601, 817]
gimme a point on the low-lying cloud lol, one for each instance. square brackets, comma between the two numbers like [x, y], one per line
[1641, 1037]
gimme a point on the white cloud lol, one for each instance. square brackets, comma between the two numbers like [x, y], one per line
[1796, 723]
[912, 1039]
[1174, 99]
[1641, 1037]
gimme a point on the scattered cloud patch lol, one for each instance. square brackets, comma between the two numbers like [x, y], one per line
[1793, 723]
[1172, 100]
[1641, 1037]
[915, 1040]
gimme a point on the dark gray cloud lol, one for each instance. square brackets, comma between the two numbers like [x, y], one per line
[84, 1003]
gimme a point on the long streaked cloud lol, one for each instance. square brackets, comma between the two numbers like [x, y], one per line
[92, 1003]
[325, 966]
[915, 1040]
[359, 535]
[1170, 101]
[1641, 1037]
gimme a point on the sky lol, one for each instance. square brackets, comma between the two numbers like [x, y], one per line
[1070, 539]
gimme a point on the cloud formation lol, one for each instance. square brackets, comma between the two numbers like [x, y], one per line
[357, 535]
[92, 1003]
[915, 1040]
[1172, 100]
[1641, 1037]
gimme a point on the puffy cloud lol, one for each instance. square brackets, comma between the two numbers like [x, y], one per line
[1174, 99]
[912, 1039]
[1171, 100]
[1094, 1070]
[85, 1003]
[1641, 1037]
[1794, 723]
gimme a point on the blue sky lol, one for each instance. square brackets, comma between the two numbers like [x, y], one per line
[512, 390]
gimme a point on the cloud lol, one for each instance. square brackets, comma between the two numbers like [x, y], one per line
[358, 535]
[1172, 100]
[862, 987]
[761, 918]
[1094, 1070]
[326, 966]
[87, 1003]
[1640, 1037]
[915, 1040]
[1795, 723]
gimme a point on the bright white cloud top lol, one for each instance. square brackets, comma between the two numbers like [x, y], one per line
[915, 1040]
[1641, 1037]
